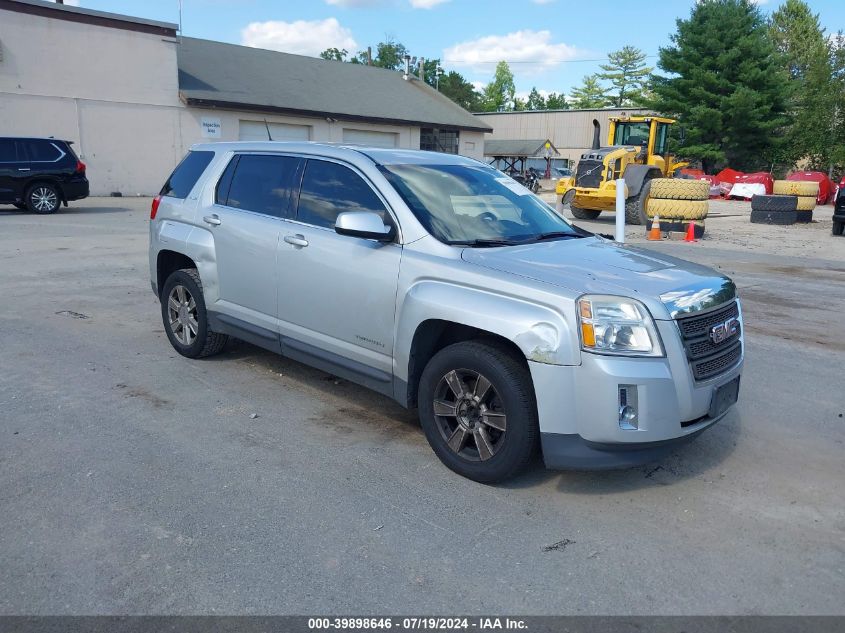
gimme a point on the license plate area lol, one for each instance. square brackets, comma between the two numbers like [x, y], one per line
[724, 397]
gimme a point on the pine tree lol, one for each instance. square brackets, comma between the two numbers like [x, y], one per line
[627, 73]
[590, 94]
[536, 101]
[726, 85]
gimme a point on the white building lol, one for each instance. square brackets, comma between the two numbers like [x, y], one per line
[134, 96]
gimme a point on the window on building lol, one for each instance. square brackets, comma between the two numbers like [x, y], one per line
[329, 189]
[438, 140]
[263, 184]
[186, 174]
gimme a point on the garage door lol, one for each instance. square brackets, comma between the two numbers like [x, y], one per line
[257, 131]
[370, 137]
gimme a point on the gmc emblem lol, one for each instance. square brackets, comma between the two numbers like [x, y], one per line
[723, 331]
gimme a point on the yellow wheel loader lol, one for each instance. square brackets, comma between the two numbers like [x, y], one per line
[637, 152]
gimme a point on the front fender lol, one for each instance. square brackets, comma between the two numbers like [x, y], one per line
[635, 176]
[540, 332]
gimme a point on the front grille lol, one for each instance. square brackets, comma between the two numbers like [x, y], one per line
[708, 359]
[589, 173]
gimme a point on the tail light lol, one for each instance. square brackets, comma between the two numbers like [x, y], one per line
[154, 207]
[80, 167]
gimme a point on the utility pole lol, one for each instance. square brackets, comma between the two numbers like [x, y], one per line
[437, 73]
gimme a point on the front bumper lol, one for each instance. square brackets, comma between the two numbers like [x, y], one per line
[578, 406]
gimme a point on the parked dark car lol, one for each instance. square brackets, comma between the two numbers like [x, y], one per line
[839, 209]
[39, 174]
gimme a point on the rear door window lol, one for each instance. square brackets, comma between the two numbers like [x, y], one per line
[186, 174]
[8, 151]
[329, 189]
[263, 183]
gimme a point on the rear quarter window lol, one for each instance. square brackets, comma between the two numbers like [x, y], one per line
[43, 151]
[186, 174]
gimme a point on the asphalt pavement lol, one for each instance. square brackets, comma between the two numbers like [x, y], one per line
[135, 481]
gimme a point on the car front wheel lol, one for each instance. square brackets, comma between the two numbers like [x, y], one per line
[477, 408]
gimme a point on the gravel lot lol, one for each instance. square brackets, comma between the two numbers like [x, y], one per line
[136, 481]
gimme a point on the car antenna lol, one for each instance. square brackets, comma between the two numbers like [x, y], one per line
[269, 138]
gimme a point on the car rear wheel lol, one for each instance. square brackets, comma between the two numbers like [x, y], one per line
[43, 198]
[185, 317]
[477, 408]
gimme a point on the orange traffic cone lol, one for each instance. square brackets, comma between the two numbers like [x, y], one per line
[654, 232]
[690, 233]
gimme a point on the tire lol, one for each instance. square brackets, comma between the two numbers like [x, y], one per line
[636, 206]
[583, 214]
[484, 452]
[677, 209]
[804, 216]
[43, 198]
[838, 228]
[680, 189]
[796, 188]
[204, 341]
[806, 203]
[785, 218]
[774, 204]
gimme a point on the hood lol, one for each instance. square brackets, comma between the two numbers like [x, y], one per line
[597, 266]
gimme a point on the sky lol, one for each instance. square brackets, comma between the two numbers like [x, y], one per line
[550, 44]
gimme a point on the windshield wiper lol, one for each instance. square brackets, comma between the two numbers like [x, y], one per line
[490, 242]
[553, 235]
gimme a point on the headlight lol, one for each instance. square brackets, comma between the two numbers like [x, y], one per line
[617, 325]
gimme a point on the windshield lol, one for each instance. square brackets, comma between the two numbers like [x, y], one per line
[476, 206]
[632, 134]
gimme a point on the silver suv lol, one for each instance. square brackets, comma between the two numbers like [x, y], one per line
[447, 286]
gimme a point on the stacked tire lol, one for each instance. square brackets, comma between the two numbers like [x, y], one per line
[778, 209]
[677, 202]
[806, 192]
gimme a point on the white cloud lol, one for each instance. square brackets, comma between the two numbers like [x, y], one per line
[760, 2]
[542, 1]
[527, 48]
[72, 3]
[426, 4]
[302, 37]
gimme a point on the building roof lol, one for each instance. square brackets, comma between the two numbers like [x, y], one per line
[89, 16]
[518, 147]
[214, 74]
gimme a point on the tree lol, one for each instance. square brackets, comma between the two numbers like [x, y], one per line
[335, 54]
[459, 90]
[627, 73]
[726, 85]
[557, 101]
[590, 94]
[807, 56]
[535, 100]
[499, 93]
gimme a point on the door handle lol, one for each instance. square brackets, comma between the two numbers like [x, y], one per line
[213, 220]
[296, 240]
[24, 169]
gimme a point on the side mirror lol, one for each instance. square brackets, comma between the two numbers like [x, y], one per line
[363, 224]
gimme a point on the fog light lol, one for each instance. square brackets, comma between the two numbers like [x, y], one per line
[628, 415]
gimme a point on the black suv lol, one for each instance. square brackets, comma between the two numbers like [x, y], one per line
[40, 173]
